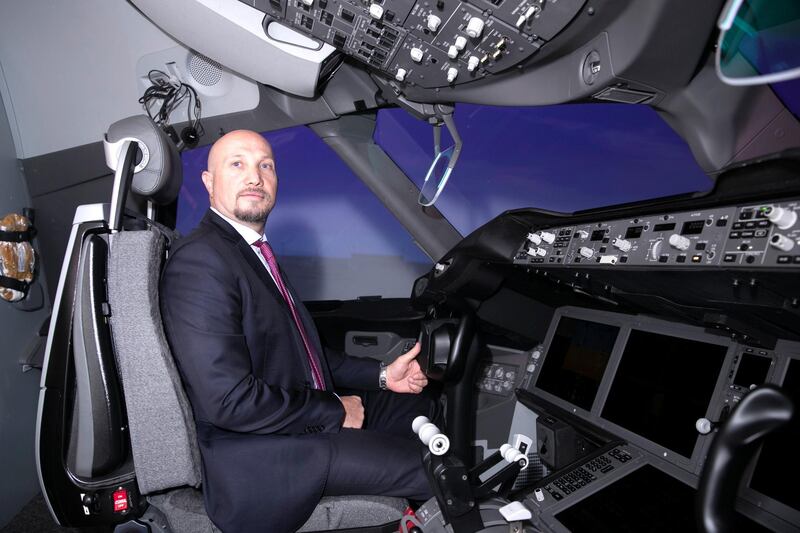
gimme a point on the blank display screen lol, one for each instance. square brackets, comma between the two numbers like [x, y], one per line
[662, 386]
[647, 500]
[778, 459]
[752, 370]
[576, 360]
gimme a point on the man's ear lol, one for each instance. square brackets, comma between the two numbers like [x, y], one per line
[208, 181]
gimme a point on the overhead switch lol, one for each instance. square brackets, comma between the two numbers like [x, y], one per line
[434, 22]
[452, 52]
[376, 11]
[452, 74]
[461, 42]
[416, 55]
[472, 63]
[533, 237]
[548, 237]
[475, 27]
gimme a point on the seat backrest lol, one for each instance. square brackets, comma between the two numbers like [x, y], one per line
[162, 430]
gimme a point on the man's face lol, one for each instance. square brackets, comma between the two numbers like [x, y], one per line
[241, 179]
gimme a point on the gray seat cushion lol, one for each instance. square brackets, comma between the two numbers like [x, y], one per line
[186, 513]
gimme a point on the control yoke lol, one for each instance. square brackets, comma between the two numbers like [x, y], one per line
[457, 489]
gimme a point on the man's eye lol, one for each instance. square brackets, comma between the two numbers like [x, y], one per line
[266, 166]
[236, 164]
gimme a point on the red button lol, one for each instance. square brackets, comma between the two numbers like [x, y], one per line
[120, 498]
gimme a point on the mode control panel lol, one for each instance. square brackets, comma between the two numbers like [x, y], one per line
[764, 234]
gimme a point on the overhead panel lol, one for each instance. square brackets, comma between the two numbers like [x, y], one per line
[427, 43]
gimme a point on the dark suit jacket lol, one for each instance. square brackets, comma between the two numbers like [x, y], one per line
[261, 428]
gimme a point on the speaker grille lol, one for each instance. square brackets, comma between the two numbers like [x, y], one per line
[204, 70]
[536, 470]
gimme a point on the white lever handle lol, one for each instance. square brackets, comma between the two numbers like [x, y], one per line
[436, 441]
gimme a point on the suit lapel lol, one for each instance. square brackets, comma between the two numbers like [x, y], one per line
[246, 252]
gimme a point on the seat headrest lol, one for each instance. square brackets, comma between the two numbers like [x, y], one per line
[158, 173]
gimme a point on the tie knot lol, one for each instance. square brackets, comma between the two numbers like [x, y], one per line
[265, 248]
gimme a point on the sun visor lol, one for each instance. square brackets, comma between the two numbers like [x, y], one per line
[237, 36]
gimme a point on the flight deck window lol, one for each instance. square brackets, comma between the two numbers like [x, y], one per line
[334, 238]
[561, 158]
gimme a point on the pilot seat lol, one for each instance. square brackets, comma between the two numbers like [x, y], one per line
[116, 443]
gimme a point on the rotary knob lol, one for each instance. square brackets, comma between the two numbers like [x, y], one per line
[679, 242]
[586, 252]
[582, 234]
[655, 251]
[452, 52]
[433, 22]
[472, 63]
[461, 42]
[781, 242]
[308, 2]
[781, 217]
[452, 74]
[621, 245]
[540, 252]
[401, 74]
[475, 27]
[548, 237]
[534, 238]
[416, 55]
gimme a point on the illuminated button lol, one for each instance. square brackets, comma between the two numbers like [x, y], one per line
[452, 74]
[461, 42]
[537, 354]
[531, 367]
[472, 63]
[433, 22]
[401, 74]
[697, 258]
[475, 27]
[729, 258]
[416, 55]
[375, 11]
[120, 499]
[452, 52]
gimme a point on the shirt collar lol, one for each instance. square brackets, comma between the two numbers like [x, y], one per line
[248, 234]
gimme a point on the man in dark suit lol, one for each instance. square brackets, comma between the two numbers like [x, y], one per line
[273, 435]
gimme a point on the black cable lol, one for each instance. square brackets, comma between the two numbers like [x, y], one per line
[171, 97]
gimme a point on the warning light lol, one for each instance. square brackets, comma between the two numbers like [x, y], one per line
[120, 498]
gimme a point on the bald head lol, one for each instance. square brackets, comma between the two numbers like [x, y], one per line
[241, 179]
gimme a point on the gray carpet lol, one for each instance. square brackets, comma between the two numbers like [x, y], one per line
[35, 518]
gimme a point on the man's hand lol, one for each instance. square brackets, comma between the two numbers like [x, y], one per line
[353, 412]
[404, 373]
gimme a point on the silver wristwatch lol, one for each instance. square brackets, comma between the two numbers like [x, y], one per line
[382, 377]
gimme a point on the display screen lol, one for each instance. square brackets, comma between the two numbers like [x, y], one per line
[645, 500]
[752, 370]
[576, 360]
[664, 227]
[778, 458]
[662, 386]
[598, 235]
[693, 227]
[634, 232]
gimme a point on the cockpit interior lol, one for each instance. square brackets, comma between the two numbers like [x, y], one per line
[585, 211]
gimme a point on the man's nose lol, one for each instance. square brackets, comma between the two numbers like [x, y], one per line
[253, 177]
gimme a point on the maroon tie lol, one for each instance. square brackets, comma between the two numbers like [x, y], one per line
[266, 251]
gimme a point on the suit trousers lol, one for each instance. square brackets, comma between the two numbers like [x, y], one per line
[384, 458]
